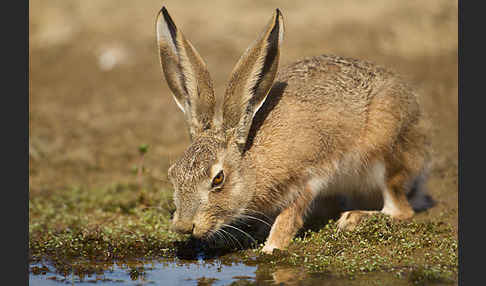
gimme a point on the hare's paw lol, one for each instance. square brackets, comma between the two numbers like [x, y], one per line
[350, 219]
[268, 248]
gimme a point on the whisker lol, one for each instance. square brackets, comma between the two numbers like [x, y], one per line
[220, 235]
[245, 233]
[225, 240]
[210, 239]
[258, 212]
[239, 219]
[232, 237]
[252, 217]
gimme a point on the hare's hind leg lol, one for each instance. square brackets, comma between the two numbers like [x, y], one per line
[398, 139]
[393, 186]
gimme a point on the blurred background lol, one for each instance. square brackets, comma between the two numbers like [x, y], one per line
[97, 92]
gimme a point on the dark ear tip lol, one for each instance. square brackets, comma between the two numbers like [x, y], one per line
[162, 10]
[278, 12]
[168, 20]
[165, 12]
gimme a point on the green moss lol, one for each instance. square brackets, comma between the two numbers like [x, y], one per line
[114, 223]
[421, 251]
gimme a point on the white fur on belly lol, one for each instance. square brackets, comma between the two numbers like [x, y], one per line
[347, 180]
[317, 184]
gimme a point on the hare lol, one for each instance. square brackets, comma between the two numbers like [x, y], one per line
[274, 142]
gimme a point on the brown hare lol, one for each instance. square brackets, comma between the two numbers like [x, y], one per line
[275, 141]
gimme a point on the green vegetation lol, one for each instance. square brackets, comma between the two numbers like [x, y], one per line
[143, 148]
[114, 223]
[83, 230]
[422, 251]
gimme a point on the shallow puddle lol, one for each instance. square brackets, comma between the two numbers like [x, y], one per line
[174, 272]
[200, 272]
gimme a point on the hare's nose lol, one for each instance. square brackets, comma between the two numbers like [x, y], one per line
[184, 227]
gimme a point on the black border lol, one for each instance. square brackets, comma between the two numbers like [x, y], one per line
[15, 141]
[16, 125]
[470, 122]
[24, 133]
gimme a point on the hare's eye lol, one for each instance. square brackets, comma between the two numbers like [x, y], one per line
[218, 179]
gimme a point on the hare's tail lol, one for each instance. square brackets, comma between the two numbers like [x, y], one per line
[418, 197]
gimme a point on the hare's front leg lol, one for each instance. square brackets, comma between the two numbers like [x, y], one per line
[288, 222]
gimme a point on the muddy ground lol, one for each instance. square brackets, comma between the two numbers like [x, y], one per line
[97, 92]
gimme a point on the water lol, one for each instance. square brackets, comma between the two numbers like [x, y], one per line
[213, 272]
[223, 270]
[168, 272]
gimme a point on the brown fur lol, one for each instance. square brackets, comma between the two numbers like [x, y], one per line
[328, 125]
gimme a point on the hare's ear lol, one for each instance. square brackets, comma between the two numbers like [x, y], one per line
[186, 75]
[252, 79]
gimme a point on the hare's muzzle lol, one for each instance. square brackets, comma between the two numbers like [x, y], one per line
[184, 227]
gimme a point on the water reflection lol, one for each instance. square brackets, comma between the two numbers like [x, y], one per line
[213, 272]
[159, 272]
[288, 276]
